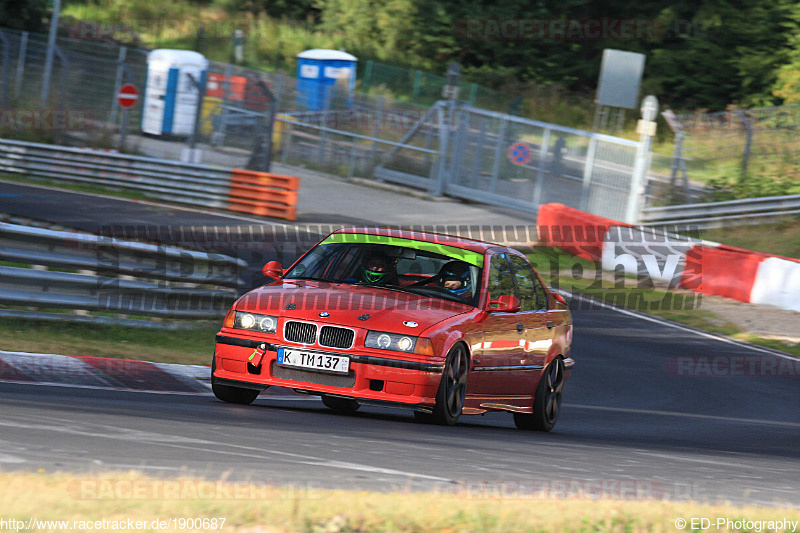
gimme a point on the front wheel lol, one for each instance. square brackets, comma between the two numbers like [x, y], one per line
[547, 403]
[229, 394]
[453, 387]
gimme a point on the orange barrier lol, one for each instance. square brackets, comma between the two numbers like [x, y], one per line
[724, 271]
[574, 231]
[263, 194]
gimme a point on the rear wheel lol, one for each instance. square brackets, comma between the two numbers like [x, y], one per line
[340, 404]
[453, 387]
[229, 394]
[547, 404]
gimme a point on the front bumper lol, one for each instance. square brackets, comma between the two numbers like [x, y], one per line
[371, 378]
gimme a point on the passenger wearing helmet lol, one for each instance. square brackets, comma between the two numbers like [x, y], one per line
[378, 269]
[456, 278]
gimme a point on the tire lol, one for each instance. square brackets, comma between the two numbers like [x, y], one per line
[344, 405]
[547, 403]
[229, 394]
[453, 387]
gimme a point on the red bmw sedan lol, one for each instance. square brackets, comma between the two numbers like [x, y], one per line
[442, 325]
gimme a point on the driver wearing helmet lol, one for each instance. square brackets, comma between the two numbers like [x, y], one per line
[456, 278]
[378, 269]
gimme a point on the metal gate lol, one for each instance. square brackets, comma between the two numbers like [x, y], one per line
[505, 160]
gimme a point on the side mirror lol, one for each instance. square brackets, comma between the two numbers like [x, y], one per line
[273, 270]
[559, 298]
[504, 304]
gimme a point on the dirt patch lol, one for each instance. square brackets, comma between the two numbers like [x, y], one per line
[761, 320]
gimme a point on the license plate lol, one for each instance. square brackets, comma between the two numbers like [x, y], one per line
[339, 364]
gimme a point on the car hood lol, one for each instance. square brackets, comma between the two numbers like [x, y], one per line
[349, 305]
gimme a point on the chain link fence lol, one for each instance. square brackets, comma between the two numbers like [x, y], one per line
[238, 106]
[249, 118]
[426, 88]
[734, 154]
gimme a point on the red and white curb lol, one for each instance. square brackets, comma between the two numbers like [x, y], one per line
[115, 374]
[103, 373]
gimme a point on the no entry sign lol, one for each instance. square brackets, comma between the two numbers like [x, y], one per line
[128, 95]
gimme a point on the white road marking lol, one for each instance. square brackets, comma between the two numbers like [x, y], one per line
[680, 414]
[662, 322]
[193, 444]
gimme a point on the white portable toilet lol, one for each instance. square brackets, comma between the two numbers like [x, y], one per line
[170, 97]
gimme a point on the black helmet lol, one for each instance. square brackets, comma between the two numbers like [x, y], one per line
[375, 268]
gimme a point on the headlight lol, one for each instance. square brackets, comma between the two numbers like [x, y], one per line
[255, 322]
[390, 341]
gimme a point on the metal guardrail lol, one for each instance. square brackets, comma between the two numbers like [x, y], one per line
[157, 178]
[46, 269]
[728, 213]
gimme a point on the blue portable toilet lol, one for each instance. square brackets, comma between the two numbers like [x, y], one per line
[170, 97]
[318, 71]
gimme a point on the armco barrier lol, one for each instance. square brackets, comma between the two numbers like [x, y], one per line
[777, 283]
[576, 232]
[67, 270]
[263, 194]
[257, 193]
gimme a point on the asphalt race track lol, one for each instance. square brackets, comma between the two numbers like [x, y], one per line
[651, 410]
[630, 427]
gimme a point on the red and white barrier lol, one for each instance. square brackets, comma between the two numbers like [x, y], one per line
[688, 262]
[723, 271]
[577, 233]
[777, 282]
[647, 252]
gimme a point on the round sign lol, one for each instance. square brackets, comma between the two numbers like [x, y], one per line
[649, 107]
[520, 153]
[128, 95]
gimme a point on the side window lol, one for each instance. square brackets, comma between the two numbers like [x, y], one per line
[541, 294]
[501, 280]
[529, 290]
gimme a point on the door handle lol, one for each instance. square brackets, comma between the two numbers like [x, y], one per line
[549, 324]
[520, 327]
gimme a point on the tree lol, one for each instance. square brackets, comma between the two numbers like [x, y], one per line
[27, 15]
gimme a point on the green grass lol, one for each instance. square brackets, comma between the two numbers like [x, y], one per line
[77, 187]
[260, 507]
[192, 347]
[781, 238]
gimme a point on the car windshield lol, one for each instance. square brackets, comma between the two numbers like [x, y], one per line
[405, 265]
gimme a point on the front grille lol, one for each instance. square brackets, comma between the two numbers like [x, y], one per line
[331, 380]
[334, 337]
[300, 332]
